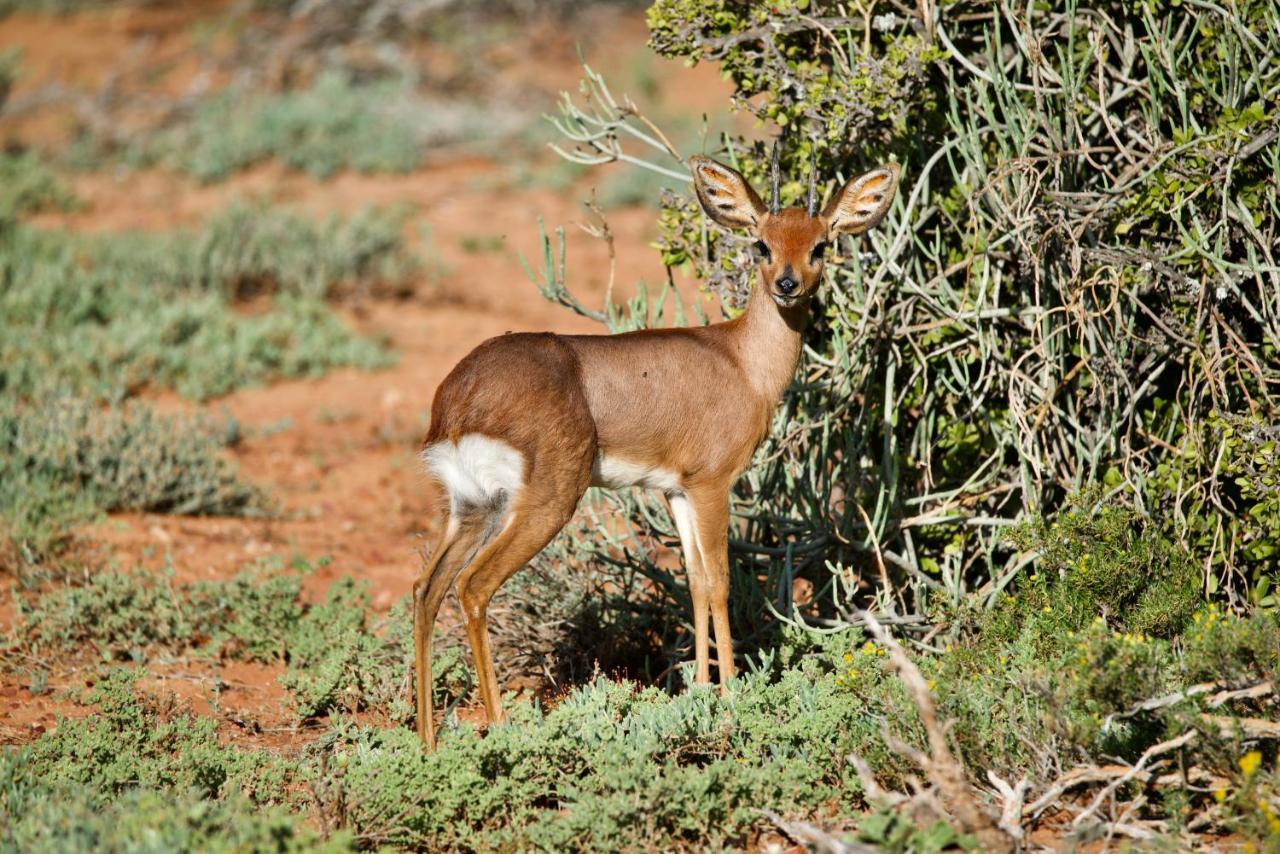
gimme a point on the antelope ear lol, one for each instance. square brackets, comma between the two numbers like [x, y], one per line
[862, 202]
[725, 195]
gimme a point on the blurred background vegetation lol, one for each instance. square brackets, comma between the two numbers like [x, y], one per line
[1003, 572]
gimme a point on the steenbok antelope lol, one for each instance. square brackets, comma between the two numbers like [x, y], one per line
[526, 422]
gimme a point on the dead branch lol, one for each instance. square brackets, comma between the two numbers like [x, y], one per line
[815, 838]
[1138, 768]
[940, 765]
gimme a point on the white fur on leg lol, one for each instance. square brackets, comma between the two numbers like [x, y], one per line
[476, 471]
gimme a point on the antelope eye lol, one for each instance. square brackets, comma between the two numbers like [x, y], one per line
[762, 250]
[819, 250]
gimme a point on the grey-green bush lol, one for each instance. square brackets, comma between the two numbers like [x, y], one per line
[66, 458]
[106, 315]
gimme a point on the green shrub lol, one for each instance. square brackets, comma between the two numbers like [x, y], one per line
[1010, 334]
[128, 615]
[150, 743]
[142, 773]
[1097, 562]
[56, 819]
[68, 458]
[339, 657]
[28, 186]
[106, 315]
[610, 766]
[334, 124]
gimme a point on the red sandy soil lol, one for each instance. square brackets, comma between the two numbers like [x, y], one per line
[338, 452]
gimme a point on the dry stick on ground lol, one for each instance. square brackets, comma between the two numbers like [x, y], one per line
[1139, 768]
[940, 765]
[815, 838]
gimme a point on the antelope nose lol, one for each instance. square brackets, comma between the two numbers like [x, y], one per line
[786, 285]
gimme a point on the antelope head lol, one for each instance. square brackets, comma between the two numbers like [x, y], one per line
[791, 244]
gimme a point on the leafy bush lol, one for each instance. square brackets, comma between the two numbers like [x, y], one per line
[28, 186]
[126, 615]
[68, 458]
[612, 764]
[107, 314]
[150, 822]
[141, 771]
[330, 126]
[339, 657]
[1096, 563]
[1051, 303]
[150, 743]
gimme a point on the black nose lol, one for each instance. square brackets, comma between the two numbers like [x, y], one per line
[786, 285]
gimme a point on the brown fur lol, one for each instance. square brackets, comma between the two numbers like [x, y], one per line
[695, 402]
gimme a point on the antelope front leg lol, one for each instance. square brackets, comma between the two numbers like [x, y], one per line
[682, 513]
[711, 530]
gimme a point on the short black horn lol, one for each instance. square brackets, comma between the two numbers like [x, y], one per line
[775, 180]
[813, 182]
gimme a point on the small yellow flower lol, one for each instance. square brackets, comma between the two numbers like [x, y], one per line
[848, 656]
[1219, 795]
[1249, 762]
[931, 683]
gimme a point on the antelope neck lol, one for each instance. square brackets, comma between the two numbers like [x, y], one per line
[767, 341]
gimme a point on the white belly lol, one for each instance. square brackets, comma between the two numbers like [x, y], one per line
[617, 473]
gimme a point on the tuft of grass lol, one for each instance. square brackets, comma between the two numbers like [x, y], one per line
[28, 186]
[334, 124]
[339, 657]
[67, 458]
[143, 773]
[105, 315]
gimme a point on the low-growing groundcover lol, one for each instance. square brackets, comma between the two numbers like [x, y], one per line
[107, 315]
[1031, 690]
[65, 459]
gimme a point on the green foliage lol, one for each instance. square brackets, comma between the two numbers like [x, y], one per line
[142, 772]
[892, 833]
[1097, 563]
[58, 7]
[337, 664]
[28, 186]
[334, 124]
[339, 657]
[1075, 287]
[610, 766]
[47, 818]
[68, 458]
[105, 315]
[126, 615]
[149, 743]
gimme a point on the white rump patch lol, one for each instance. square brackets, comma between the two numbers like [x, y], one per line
[477, 471]
[617, 473]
